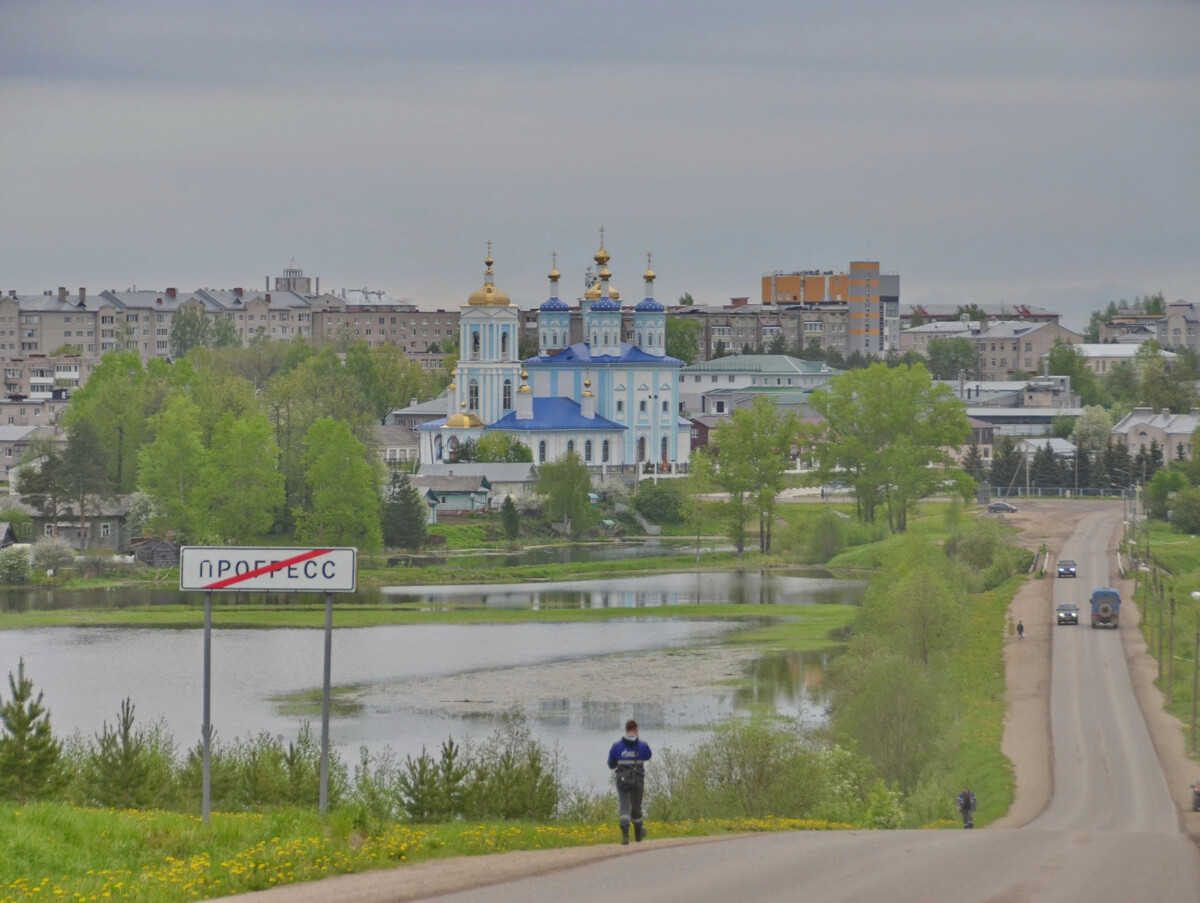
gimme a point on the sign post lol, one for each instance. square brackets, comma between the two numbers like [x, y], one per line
[210, 569]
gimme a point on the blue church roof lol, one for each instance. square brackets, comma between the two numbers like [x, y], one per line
[606, 304]
[554, 304]
[581, 352]
[649, 305]
[554, 414]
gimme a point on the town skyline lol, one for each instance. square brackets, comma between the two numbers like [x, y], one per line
[1022, 153]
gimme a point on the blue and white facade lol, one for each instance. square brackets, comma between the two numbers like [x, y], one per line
[613, 403]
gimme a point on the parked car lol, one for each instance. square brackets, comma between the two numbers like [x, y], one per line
[1068, 613]
[1066, 568]
[1001, 508]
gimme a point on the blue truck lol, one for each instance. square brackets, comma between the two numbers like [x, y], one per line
[1106, 607]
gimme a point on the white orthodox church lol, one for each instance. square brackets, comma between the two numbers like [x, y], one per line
[614, 404]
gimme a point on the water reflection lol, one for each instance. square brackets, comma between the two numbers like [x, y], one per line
[740, 587]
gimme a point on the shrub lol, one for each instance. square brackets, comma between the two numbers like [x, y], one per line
[660, 503]
[514, 775]
[130, 768]
[50, 552]
[14, 565]
[828, 536]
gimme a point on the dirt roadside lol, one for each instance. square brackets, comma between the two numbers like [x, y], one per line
[1026, 742]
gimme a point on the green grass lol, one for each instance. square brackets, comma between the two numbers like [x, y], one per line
[977, 669]
[181, 616]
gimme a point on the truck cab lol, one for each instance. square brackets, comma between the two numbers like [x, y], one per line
[1106, 607]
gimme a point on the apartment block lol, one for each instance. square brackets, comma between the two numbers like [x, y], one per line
[871, 297]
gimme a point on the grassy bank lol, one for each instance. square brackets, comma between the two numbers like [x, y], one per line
[1178, 554]
[55, 851]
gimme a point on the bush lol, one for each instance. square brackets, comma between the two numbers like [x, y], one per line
[130, 768]
[50, 552]
[660, 503]
[514, 775]
[14, 566]
[828, 536]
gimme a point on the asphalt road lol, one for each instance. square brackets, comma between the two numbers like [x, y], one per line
[1110, 832]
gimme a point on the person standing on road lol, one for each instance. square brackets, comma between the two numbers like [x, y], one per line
[1020, 631]
[627, 759]
[966, 805]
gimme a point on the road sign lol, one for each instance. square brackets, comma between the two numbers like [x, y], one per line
[275, 570]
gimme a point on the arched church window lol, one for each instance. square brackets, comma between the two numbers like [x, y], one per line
[570, 446]
[475, 344]
[642, 449]
[664, 449]
[504, 345]
[604, 451]
[507, 394]
[587, 451]
[542, 452]
[473, 395]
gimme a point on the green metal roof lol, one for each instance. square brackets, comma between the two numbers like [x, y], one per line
[780, 364]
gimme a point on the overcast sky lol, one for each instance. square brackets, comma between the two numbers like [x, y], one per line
[1026, 150]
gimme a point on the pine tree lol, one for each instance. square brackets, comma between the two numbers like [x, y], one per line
[405, 515]
[511, 518]
[29, 754]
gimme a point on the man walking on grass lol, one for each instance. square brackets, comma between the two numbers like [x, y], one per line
[627, 759]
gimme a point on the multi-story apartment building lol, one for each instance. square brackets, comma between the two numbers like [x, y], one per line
[1012, 347]
[403, 325]
[735, 327]
[871, 297]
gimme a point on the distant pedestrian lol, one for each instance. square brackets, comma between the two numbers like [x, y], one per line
[966, 805]
[1020, 631]
[627, 759]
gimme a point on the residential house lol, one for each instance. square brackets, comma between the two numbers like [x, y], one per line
[1173, 432]
[504, 479]
[399, 445]
[153, 552]
[456, 494]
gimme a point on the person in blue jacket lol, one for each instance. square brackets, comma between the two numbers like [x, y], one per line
[627, 759]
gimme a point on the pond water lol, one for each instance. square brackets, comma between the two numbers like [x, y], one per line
[387, 678]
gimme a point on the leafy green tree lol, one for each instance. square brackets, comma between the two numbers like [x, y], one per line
[565, 483]
[949, 357]
[387, 377]
[20, 519]
[1187, 510]
[42, 479]
[510, 517]
[192, 327]
[171, 469]
[1164, 385]
[117, 399]
[14, 566]
[660, 503]
[974, 311]
[1065, 359]
[1093, 427]
[30, 757]
[495, 446]
[343, 489]
[241, 488]
[755, 444]
[884, 429]
[683, 338]
[405, 514]
[1162, 490]
[894, 711]
[1154, 304]
[85, 471]
[686, 299]
[699, 483]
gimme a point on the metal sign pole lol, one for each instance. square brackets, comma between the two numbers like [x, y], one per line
[324, 795]
[206, 728]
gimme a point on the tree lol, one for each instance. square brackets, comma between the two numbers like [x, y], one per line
[41, 479]
[14, 566]
[1093, 427]
[29, 754]
[755, 444]
[192, 327]
[686, 300]
[949, 357]
[171, 469]
[565, 483]
[501, 447]
[1162, 490]
[510, 517]
[1187, 510]
[117, 400]
[884, 429]
[1045, 469]
[387, 377]
[973, 464]
[1065, 359]
[974, 311]
[683, 338]
[778, 344]
[1164, 385]
[121, 771]
[241, 487]
[1007, 462]
[85, 471]
[343, 489]
[698, 484]
[405, 514]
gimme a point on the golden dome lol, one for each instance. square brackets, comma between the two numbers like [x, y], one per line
[648, 275]
[587, 383]
[602, 257]
[587, 394]
[524, 373]
[463, 421]
[593, 293]
[489, 295]
[605, 273]
[524, 390]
